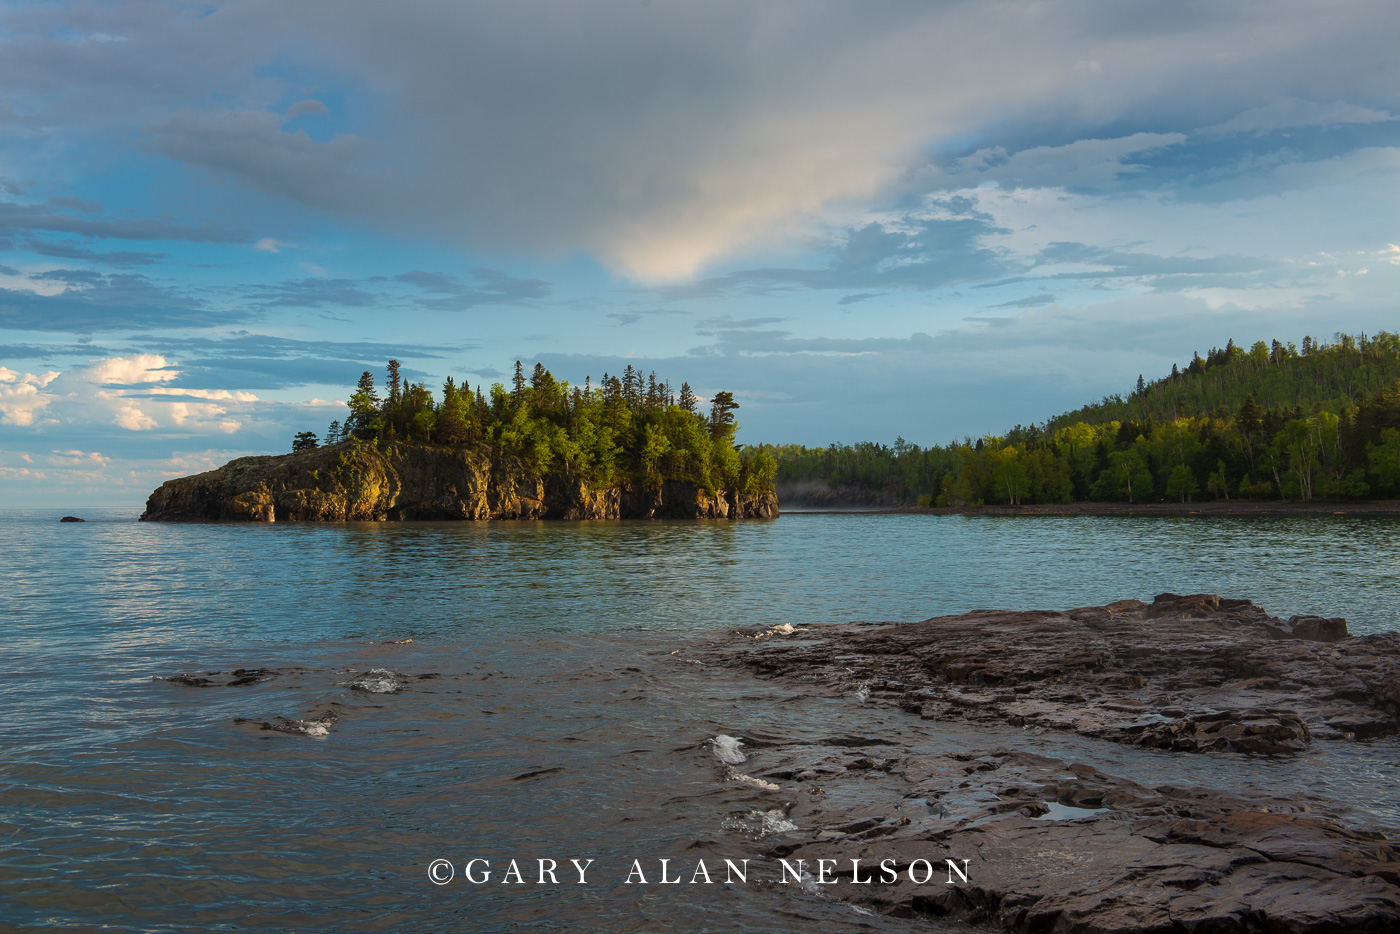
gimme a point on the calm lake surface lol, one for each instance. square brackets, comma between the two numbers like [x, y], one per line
[557, 722]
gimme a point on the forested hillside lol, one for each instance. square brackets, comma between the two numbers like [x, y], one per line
[628, 428]
[1278, 376]
[1272, 422]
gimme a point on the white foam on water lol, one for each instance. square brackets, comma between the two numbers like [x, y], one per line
[317, 729]
[727, 749]
[375, 681]
[750, 780]
[863, 692]
[760, 823]
[782, 629]
[773, 821]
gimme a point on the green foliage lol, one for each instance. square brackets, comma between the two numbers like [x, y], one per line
[628, 428]
[1267, 423]
[305, 441]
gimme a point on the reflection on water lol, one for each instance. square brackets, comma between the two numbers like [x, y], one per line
[559, 725]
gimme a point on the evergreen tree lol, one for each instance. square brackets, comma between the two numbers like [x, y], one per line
[395, 383]
[722, 408]
[364, 408]
[304, 441]
[688, 400]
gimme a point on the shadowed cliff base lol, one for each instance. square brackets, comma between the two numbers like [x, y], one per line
[1054, 845]
[1232, 508]
[353, 481]
[808, 504]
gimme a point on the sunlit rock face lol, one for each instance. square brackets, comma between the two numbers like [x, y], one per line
[361, 482]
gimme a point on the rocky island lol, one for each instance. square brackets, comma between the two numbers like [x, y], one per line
[628, 449]
[353, 481]
[1057, 845]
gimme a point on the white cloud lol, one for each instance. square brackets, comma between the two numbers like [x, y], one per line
[21, 396]
[118, 391]
[131, 418]
[664, 138]
[268, 245]
[79, 458]
[302, 108]
[1083, 163]
[1296, 112]
[122, 371]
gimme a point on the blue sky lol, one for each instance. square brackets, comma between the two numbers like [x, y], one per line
[865, 220]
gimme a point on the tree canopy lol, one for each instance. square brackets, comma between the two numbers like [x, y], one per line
[1270, 422]
[627, 428]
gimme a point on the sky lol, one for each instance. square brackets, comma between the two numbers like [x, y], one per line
[867, 221]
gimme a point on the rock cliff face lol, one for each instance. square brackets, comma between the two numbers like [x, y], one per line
[360, 482]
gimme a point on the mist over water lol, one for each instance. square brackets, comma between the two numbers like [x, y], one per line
[557, 722]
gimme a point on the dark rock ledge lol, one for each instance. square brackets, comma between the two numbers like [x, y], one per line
[1063, 848]
[1066, 848]
[1194, 674]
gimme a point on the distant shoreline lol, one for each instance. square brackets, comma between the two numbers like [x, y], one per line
[1217, 508]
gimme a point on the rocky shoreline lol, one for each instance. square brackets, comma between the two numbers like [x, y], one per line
[354, 481]
[1215, 508]
[1060, 846]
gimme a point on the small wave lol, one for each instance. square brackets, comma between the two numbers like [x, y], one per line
[760, 823]
[726, 749]
[782, 629]
[375, 681]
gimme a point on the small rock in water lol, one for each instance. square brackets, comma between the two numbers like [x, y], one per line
[240, 677]
[71, 519]
[314, 728]
[189, 681]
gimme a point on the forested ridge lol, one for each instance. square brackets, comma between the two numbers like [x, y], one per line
[627, 428]
[1272, 422]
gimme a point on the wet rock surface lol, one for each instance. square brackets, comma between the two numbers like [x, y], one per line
[1191, 673]
[354, 481]
[1055, 845]
[1052, 846]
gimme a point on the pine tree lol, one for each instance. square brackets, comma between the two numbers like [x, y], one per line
[518, 381]
[722, 408]
[395, 383]
[333, 432]
[630, 383]
[304, 441]
[688, 400]
[364, 407]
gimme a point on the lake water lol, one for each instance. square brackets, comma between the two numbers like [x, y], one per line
[556, 722]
